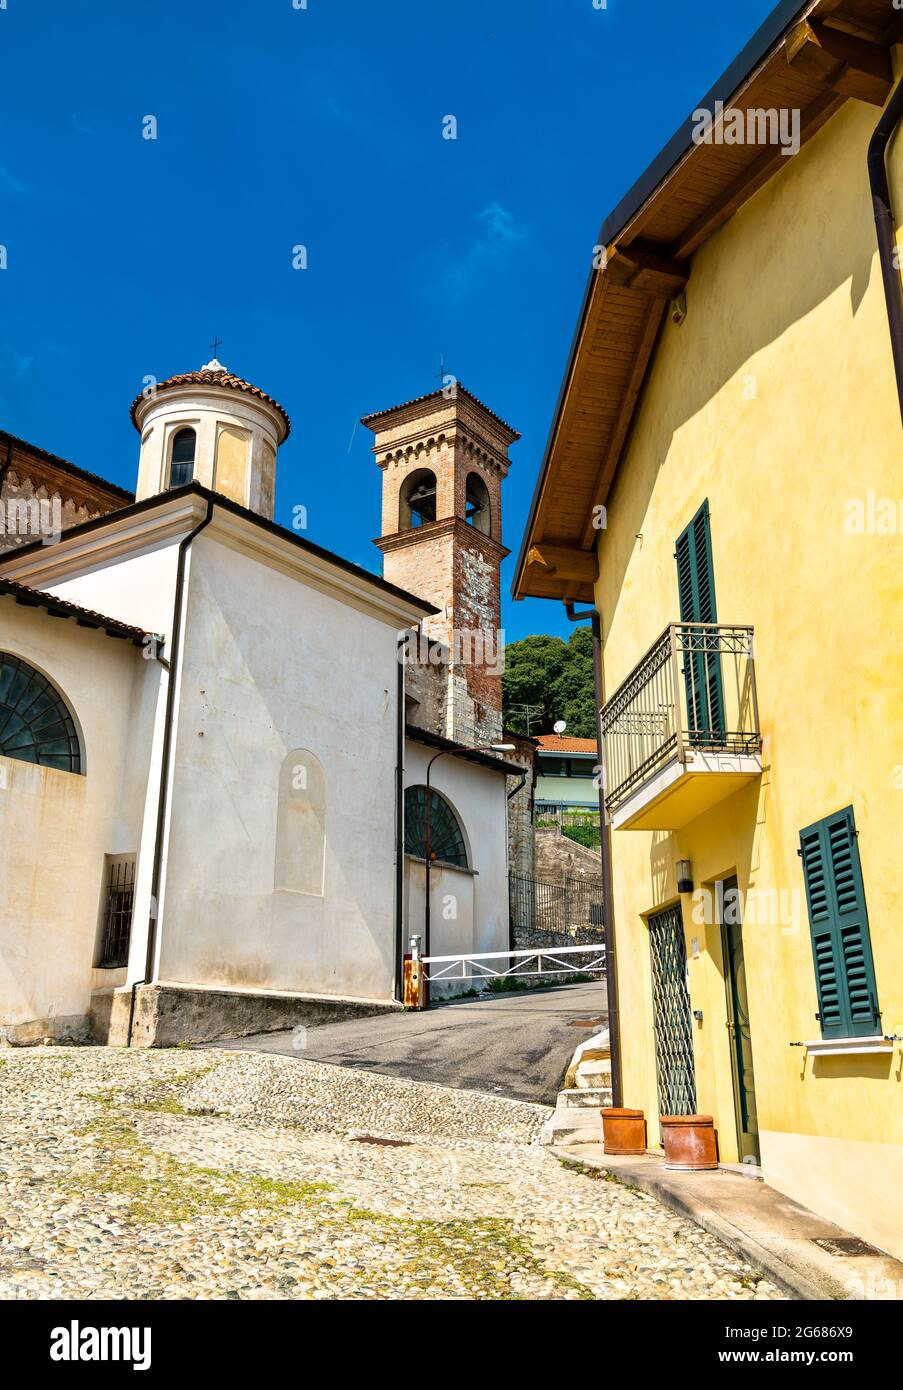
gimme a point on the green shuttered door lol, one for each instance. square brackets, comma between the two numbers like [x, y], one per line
[841, 946]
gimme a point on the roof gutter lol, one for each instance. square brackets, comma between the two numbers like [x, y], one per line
[175, 645]
[885, 227]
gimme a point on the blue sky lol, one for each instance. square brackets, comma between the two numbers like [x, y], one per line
[323, 127]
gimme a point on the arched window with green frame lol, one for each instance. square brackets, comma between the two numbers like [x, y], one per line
[446, 838]
[36, 724]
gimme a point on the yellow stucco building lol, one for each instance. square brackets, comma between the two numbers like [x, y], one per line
[723, 483]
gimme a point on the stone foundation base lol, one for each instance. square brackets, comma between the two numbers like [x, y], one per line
[166, 1015]
[71, 1028]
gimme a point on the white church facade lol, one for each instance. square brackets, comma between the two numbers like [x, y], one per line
[214, 763]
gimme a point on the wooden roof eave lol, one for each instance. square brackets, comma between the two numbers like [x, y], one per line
[645, 262]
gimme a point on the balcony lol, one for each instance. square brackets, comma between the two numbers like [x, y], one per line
[682, 732]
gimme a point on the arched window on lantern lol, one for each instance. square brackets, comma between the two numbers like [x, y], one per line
[181, 462]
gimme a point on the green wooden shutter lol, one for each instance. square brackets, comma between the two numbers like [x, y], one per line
[696, 596]
[838, 920]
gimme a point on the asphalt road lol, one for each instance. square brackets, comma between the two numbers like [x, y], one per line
[515, 1045]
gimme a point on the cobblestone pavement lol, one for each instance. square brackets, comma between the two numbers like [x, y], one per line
[179, 1174]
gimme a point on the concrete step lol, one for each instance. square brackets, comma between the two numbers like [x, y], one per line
[584, 1097]
[589, 1076]
[572, 1125]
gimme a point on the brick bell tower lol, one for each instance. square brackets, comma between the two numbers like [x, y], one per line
[443, 458]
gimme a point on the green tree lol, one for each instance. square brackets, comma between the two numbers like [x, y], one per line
[556, 678]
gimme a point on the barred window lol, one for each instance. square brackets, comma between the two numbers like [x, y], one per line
[117, 924]
[35, 723]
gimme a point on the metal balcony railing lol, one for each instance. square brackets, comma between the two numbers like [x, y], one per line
[693, 691]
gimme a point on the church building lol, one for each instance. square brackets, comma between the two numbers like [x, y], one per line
[219, 741]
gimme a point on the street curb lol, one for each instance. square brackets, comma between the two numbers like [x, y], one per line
[788, 1279]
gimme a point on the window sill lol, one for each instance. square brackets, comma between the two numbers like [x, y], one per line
[848, 1047]
[442, 864]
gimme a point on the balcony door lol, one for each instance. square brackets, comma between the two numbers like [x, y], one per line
[738, 1021]
[701, 657]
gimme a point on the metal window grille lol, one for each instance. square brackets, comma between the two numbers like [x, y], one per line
[118, 914]
[672, 1021]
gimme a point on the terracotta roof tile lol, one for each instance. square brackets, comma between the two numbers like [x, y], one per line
[432, 395]
[562, 743]
[207, 377]
[64, 608]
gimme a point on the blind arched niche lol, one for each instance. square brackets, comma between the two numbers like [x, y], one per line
[301, 824]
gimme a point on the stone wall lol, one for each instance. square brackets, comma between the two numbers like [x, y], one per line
[536, 938]
[558, 858]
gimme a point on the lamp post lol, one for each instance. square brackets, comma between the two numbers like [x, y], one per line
[486, 748]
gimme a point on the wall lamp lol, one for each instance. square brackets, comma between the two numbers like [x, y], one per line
[684, 876]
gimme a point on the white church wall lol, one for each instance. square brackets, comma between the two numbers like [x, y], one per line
[478, 797]
[139, 589]
[451, 915]
[58, 826]
[271, 666]
[125, 569]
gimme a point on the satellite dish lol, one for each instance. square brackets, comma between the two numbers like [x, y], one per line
[559, 726]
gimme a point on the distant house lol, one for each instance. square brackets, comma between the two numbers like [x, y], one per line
[565, 773]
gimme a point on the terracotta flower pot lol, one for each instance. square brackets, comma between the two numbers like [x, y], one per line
[624, 1131]
[690, 1142]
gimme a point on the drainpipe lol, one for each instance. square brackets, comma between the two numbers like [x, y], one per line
[523, 777]
[399, 827]
[184, 546]
[886, 228]
[608, 911]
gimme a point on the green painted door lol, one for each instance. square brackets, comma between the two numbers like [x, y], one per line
[738, 1023]
[702, 660]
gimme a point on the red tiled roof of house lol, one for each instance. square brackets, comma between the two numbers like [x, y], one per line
[563, 743]
[214, 376]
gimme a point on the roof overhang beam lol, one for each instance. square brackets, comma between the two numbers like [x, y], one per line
[850, 66]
